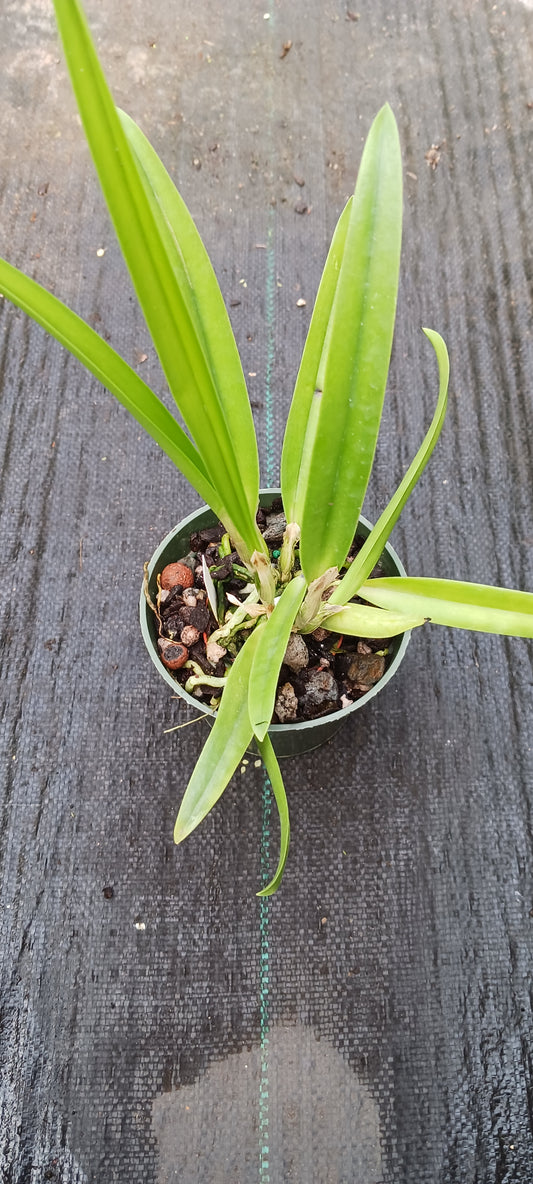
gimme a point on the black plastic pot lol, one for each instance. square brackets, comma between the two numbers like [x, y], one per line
[287, 739]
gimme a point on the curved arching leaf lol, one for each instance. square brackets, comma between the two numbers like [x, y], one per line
[166, 310]
[199, 287]
[278, 789]
[116, 375]
[361, 620]
[226, 744]
[373, 546]
[451, 602]
[269, 656]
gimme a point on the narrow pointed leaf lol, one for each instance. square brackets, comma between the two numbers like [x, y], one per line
[166, 311]
[353, 369]
[373, 546]
[278, 788]
[269, 656]
[360, 620]
[225, 746]
[299, 432]
[210, 588]
[450, 602]
[111, 370]
[199, 286]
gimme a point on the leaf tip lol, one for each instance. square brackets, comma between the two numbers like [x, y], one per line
[260, 729]
[386, 115]
[181, 831]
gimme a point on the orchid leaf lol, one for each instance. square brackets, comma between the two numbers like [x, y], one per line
[199, 286]
[210, 588]
[166, 310]
[269, 656]
[345, 408]
[226, 744]
[299, 432]
[278, 789]
[373, 546]
[111, 370]
[450, 602]
[361, 620]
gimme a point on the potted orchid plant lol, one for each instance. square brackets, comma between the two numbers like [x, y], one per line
[314, 583]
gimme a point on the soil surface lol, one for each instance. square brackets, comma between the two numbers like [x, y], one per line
[322, 671]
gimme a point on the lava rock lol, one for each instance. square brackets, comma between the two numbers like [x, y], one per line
[317, 692]
[286, 709]
[366, 669]
[297, 653]
[273, 533]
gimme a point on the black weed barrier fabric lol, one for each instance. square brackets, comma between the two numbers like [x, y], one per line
[373, 1022]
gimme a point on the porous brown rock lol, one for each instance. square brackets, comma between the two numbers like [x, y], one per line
[286, 708]
[297, 653]
[366, 669]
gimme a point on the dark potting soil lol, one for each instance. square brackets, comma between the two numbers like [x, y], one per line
[322, 671]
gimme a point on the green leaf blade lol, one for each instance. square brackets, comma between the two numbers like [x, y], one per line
[112, 371]
[479, 607]
[354, 365]
[227, 742]
[361, 620]
[200, 288]
[373, 546]
[165, 310]
[269, 656]
[298, 438]
[278, 789]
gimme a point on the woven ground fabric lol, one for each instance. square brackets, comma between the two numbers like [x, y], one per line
[371, 1024]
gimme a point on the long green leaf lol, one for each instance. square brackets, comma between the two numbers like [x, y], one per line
[166, 312]
[199, 286]
[450, 602]
[276, 781]
[225, 746]
[115, 374]
[353, 369]
[373, 546]
[300, 428]
[360, 620]
[269, 656]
